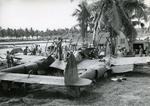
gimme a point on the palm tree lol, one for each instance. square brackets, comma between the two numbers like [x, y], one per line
[115, 16]
[107, 17]
[82, 15]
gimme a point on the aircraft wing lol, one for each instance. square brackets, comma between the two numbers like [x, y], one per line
[126, 64]
[29, 58]
[130, 60]
[41, 79]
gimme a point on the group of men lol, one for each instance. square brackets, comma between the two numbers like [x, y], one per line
[122, 52]
[34, 50]
[60, 49]
[57, 49]
[142, 52]
[10, 56]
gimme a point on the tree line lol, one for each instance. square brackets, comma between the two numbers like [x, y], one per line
[30, 33]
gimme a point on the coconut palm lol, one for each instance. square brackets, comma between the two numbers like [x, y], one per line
[115, 16]
[82, 15]
[107, 17]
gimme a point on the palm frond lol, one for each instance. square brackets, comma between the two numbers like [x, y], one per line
[114, 18]
[140, 13]
[135, 6]
[76, 12]
[83, 16]
[129, 30]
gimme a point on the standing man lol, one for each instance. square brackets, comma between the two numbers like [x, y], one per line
[8, 58]
[140, 51]
[59, 48]
[25, 50]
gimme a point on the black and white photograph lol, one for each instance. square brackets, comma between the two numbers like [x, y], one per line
[74, 52]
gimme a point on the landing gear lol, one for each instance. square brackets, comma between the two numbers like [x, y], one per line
[73, 91]
[107, 74]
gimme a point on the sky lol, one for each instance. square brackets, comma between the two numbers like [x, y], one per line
[147, 2]
[39, 14]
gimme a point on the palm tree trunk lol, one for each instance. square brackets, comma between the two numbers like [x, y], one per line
[96, 25]
[83, 31]
[131, 43]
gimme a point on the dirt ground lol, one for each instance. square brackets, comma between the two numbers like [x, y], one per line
[135, 91]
